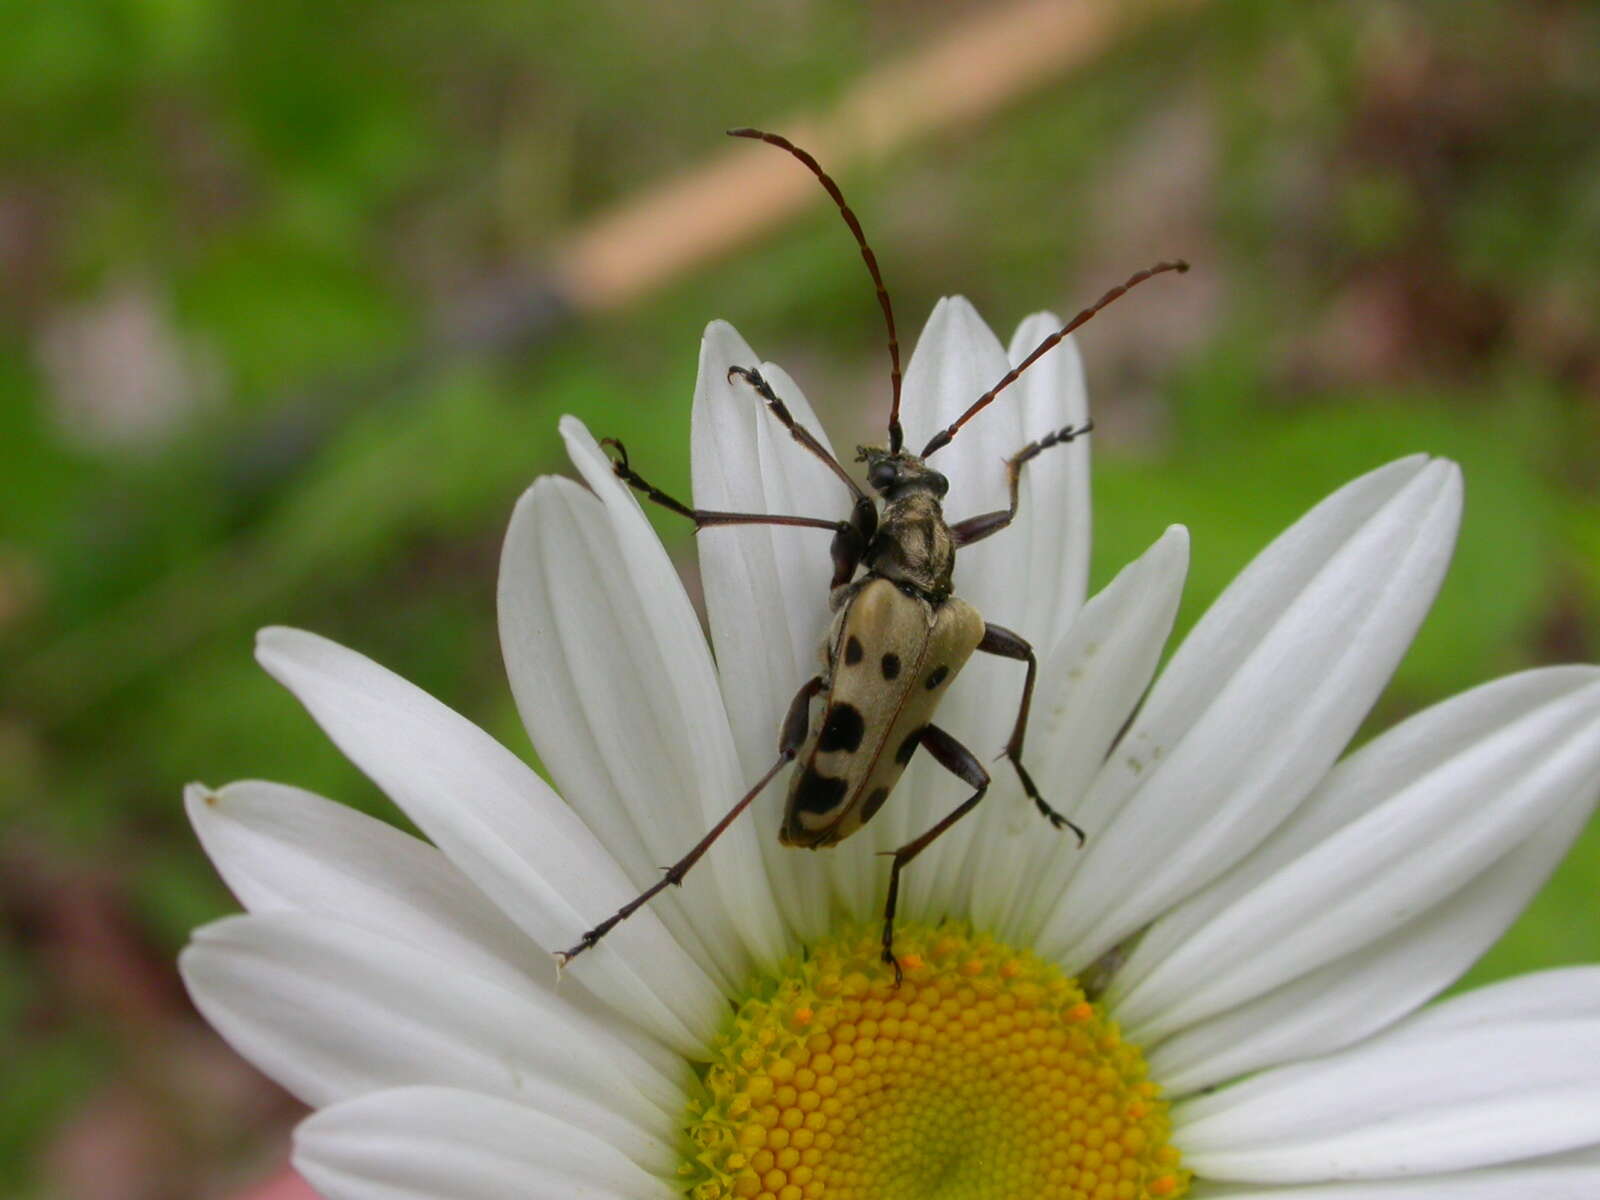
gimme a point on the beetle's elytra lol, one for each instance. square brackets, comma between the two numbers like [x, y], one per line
[898, 638]
[876, 709]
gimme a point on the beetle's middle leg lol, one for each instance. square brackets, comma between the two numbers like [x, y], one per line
[703, 517]
[795, 725]
[975, 529]
[961, 762]
[1001, 641]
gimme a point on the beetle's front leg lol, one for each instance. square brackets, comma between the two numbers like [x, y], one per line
[797, 431]
[1001, 641]
[975, 529]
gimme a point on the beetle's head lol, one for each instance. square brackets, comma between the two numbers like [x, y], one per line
[893, 474]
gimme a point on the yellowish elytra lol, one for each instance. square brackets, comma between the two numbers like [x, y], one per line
[876, 708]
[898, 637]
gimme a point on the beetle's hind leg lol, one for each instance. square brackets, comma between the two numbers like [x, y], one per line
[1001, 641]
[962, 763]
[795, 725]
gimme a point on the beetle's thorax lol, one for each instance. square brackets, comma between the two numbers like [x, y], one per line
[896, 473]
[913, 547]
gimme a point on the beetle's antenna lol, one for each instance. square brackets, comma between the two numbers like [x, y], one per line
[942, 439]
[896, 436]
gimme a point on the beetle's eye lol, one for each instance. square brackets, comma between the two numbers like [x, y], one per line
[941, 485]
[881, 476]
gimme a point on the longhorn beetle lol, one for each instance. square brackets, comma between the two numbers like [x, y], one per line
[898, 634]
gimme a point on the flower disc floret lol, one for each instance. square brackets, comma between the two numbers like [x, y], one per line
[986, 1074]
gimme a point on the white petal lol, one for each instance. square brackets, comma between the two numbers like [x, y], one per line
[281, 849]
[1574, 1176]
[1345, 1001]
[434, 1143]
[331, 1010]
[795, 481]
[590, 683]
[1088, 685]
[766, 588]
[957, 359]
[1403, 1105]
[1049, 396]
[696, 735]
[1046, 549]
[501, 826]
[1565, 993]
[1410, 820]
[1392, 762]
[1259, 700]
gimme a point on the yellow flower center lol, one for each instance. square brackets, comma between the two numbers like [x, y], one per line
[986, 1075]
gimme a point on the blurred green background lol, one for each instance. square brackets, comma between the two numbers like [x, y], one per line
[229, 233]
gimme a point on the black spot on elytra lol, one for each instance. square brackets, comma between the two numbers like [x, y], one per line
[852, 651]
[818, 793]
[908, 747]
[842, 729]
[937, 676]
[891, 666]
[873, 804]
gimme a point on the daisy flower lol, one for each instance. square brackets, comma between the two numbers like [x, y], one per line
[1225, 993]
